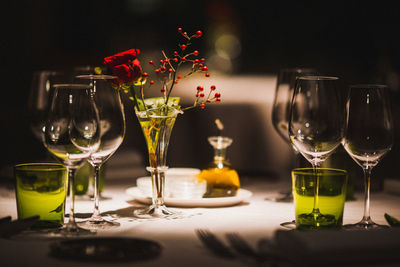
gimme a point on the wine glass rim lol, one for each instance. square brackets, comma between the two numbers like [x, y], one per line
[298, 69]
[96, 77]
[309, 170]
[71, 86]
[365, 86]
[318, 78]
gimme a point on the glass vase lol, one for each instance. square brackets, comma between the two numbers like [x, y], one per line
[157, 125]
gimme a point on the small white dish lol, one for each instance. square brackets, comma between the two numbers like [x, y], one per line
[183, 187]
[241, 196]
[182, 172]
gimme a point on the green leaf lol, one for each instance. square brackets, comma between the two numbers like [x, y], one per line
[392, 220]
[156, 102]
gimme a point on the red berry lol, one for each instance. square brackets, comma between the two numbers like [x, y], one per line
[170, 70]
[197, 95]
[179, 29]
[151, 82]
[202, 106]
[175, 59]
[218, 100]
[157, 70]
[207, 75]
[179, 77]
[199, 34]
[176, 81]
[183, 59]
[200, 88]
[166, 61]
[161, 61]
[201, 95]
[196, 53]
[212, 87]
[204, 68]
[202, 60]
[162, 90]
[145, 74]
[200, 65]
[183, 47]
[196, 61]
[163, 69]
[185, 33]
[176, 53]
[217, 95]
[151, 62]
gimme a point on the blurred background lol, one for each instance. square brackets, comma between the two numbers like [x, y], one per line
[245, 44]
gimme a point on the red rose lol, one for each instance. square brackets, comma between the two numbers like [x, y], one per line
[122, 58]
[125, 65]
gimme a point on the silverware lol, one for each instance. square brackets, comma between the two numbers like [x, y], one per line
[216, 246]
[242, 247]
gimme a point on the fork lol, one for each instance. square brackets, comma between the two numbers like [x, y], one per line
[242, 247]
[214, 244]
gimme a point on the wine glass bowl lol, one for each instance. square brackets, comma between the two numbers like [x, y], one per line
[283, 96]
[316, 119]
[368, 136]
[40, 97]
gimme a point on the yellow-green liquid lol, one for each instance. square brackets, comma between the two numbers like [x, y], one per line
[42, 192]
[331, 198]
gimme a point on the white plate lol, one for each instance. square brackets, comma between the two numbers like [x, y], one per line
[241, 195]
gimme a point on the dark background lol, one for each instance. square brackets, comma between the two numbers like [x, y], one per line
[357, 42]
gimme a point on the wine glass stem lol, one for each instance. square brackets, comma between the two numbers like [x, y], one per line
[367, 186]
[96, 193]
[71, 218]
[316, 189]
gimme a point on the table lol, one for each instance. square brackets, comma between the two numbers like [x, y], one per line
[253, 220]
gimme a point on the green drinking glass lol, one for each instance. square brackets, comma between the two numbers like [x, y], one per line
[321, 188]
[41, 190]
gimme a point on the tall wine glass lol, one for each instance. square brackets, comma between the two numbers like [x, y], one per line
[368, 136]
[72, 134]
[316, 126]
[112, 132]
[281, 107]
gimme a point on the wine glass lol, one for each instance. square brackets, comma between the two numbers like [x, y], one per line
[72, 134]
[281, 106]
[112, 132]
[368, 136]
[316, 126]
[39, 98]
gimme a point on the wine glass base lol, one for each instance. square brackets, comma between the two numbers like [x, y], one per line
[316, 220]
[63, 232]
[98, 224]
[286, 197]
[362, 225]
[155, 212]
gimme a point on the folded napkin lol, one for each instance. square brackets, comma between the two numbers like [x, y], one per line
[339, 247]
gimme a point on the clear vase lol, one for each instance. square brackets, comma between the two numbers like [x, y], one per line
[157, 125]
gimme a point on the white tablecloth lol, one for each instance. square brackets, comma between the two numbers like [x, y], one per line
[253, 220]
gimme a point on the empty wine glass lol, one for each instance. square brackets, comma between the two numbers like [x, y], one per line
[112, 132]
[316, 127]
[281, 107]
[72, 134]
[368, 136]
